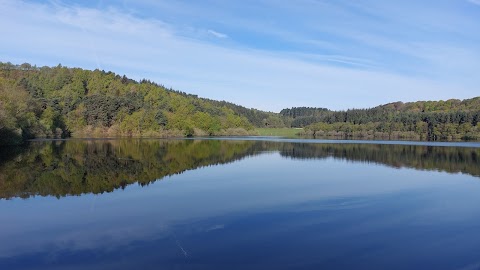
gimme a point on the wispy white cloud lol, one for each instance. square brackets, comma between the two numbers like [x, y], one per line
[217, 34]
[147, 47]
[476, 2]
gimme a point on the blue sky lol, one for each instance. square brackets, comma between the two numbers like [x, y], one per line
[266, 54]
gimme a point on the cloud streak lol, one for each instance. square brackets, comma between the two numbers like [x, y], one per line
[217, 34]
[476, 2]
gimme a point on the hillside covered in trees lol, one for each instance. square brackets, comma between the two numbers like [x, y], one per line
[54, 102]
[61, 102]
[422, 120]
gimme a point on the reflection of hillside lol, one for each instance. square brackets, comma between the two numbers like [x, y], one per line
[78, 167]
[448, 159]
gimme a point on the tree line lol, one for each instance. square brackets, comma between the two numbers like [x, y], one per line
[54, 102]
[424, 120]
[61, 102]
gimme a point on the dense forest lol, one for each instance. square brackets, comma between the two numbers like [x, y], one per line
[74, 167]
[61, 102]
[58, 102]
[422, 120]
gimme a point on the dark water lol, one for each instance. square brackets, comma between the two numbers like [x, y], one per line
[239, 204]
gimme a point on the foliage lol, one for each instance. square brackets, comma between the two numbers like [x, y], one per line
[423, 120]
[281, 132]
[60, 101]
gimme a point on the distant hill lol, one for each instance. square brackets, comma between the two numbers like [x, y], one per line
[433, 120]
[61, 101]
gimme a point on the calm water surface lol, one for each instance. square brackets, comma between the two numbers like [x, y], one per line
[239, 204]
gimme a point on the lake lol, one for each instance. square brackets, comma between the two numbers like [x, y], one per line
[240, 203]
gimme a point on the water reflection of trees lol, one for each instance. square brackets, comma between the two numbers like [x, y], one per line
[77, 167]
[448, 159]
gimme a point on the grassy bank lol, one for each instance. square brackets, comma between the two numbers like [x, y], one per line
[283, 132]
